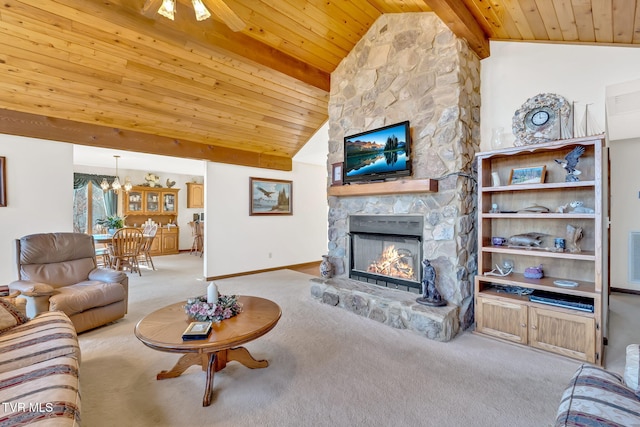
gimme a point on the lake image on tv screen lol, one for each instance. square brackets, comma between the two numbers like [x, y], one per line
[377, 153]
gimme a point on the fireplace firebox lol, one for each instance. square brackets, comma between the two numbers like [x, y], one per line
[386, 250]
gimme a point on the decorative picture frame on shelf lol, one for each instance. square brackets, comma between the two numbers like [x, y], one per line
[270, 196]
[336, 173]
[3, 182]
[528, 175]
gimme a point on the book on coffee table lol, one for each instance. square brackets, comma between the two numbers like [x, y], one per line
[197, 331]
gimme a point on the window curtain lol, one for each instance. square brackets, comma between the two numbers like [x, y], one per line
[110, 198]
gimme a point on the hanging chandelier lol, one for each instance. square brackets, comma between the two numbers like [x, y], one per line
[115, 185]
[168, 9]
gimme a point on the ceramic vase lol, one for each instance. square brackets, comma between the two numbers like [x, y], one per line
[326, 268]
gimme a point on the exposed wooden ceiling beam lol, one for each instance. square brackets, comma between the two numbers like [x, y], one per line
[224, 12]
[460, 20]
[223, 38]
[37, 126]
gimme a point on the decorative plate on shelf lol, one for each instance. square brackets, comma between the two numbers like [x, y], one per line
[544, 117]
[565, 283]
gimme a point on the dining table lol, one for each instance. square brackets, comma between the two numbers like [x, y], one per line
[106, 239]
[102, 238]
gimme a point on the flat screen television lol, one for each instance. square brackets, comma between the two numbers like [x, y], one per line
[378, 154]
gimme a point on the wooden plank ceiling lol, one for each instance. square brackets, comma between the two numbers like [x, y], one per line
[116, 74]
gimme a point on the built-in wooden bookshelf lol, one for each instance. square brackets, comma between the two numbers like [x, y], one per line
[503, 309]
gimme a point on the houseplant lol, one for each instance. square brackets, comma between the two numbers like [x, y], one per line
[112, 222]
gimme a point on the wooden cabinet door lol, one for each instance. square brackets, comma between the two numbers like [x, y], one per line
[152, 202]
[169, 242]
[169, 203]
[502, 319]
[195, 195]
[568, 334]
[133, 203]
[156, 246]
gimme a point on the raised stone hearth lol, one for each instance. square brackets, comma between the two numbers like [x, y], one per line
[392, 307]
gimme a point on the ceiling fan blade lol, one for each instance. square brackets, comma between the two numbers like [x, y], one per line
[228, 16]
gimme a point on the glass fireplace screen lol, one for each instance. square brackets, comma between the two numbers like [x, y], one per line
[395, 257]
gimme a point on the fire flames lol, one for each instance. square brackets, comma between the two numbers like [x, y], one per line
[394, 263]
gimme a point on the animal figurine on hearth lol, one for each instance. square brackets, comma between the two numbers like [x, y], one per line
[430, 295]
[570, 162]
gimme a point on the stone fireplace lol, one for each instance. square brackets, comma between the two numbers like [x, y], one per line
[409, 66]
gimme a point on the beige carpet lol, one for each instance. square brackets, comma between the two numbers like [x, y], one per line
[328, 367]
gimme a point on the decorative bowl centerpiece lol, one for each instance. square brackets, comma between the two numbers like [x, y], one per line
[199, 310]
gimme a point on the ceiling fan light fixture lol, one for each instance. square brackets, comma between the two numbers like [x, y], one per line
[168, 9]
[201, 11]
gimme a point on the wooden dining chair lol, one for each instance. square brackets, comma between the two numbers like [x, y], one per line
[148, 235]
[197, 231]
[125, 249]
[103, 257]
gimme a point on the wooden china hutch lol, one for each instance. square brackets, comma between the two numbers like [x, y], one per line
[158, 204]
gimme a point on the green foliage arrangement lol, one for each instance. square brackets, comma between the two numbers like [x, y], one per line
[113, 221]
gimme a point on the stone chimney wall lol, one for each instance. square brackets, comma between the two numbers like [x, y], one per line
[410, 66]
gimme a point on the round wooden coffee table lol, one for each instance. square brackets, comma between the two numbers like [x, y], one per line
[162, 330]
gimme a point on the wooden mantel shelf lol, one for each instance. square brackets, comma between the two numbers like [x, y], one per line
[389, 187]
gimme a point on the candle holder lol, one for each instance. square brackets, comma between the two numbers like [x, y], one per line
[199, 310]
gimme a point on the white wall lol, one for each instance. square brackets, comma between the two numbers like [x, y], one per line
[236, 242]
[517, 71]
[625, 208]
[39, 193]
[40, 199]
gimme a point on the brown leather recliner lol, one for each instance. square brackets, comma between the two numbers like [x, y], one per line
[58, 272]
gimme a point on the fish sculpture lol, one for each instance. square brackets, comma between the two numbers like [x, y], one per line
[526, 239]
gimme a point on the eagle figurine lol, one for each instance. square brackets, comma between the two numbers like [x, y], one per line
[570, 162]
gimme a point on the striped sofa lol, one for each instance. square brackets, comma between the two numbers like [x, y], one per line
[597, 397]
[39, 363]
